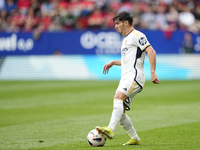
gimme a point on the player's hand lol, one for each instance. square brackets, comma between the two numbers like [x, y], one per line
[154, 78]
[106, 67]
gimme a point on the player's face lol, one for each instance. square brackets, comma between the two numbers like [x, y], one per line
[119, 26]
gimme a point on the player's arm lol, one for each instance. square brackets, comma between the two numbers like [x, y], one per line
[152, 59]
[107, 66]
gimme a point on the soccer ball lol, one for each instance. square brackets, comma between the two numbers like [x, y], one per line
[95, 139]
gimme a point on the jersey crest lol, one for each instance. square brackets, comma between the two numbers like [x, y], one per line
[123, 51]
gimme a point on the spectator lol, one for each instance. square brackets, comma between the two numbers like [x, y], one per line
[35, 5]
[3, 20]
[69, 20]
[75, 7]
[167, 2]
[110, 13]
[126, 6]
[31, 21]
[87, 8]
[195, 28]
[136, 15]
[148, 19]
[2, 4]
[45, 20]
[12, 27]
[10, 5]
[184, 23]
[187, 44]
[54, 27]
[56, 17]
[96, 20]
[46, 7]
[23, 6]
[38, 30]
[17, 18]
[197, 13]
[82, 22]
[63, 4]
[160, 19]
[172, 18]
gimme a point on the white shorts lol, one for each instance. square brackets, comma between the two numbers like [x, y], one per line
[130, 88]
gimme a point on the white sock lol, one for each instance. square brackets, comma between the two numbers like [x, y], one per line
[126, 123]
[117, 113]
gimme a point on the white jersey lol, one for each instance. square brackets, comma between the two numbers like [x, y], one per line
[132, 56]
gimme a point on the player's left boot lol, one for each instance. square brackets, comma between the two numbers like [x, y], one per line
[133, 142]
[106, 131]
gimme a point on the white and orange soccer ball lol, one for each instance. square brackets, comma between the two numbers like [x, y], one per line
[95, 139]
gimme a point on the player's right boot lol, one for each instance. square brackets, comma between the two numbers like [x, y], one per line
[106, 131]
[133, 142]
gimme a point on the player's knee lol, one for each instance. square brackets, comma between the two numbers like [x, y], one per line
[116, 97]
[120, 96]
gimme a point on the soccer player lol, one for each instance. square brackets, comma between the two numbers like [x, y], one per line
[133, 49]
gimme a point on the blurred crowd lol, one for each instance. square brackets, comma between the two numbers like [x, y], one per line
[63, 15]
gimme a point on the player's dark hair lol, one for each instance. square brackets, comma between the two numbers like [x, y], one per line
[124, 16]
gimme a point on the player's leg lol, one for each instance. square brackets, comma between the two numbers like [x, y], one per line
[117, 113]
[127, 125]
[126, 122]
[118, 110]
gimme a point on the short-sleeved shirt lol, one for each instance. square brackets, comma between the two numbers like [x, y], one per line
[132, 56]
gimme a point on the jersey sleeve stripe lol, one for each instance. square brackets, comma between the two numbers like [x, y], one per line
[145, 47]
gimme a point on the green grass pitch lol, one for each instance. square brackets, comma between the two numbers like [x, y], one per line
[57, 115]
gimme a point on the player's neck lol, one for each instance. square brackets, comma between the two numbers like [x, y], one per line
[128, 30]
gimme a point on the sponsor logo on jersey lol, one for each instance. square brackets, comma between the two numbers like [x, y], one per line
[142, 41]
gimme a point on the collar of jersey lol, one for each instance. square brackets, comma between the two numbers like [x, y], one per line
[129, 33]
